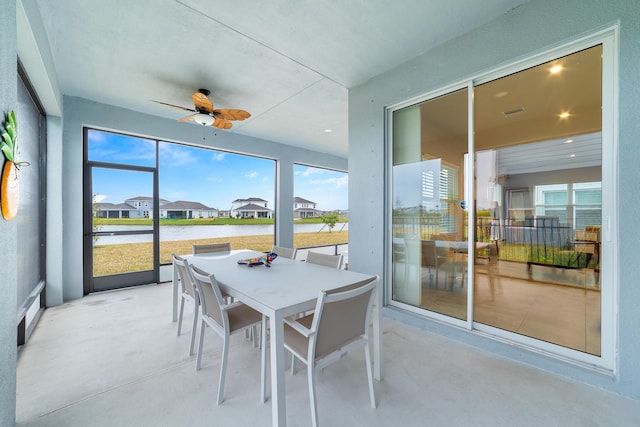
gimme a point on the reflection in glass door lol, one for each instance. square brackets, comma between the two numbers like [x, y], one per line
[539, 202]
[429, 217]
[121, 237]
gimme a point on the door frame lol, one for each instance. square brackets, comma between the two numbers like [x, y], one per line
[117, 281]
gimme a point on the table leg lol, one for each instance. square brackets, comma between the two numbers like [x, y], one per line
[278, 404]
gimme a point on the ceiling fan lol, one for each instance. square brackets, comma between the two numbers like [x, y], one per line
[206, 115]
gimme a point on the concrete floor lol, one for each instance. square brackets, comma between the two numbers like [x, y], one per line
[113, 359]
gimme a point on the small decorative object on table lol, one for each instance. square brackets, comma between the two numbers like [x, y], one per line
[265, 260]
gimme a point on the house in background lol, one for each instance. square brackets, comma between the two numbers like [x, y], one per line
[183, 209]
[143, 206]
[113, 210]
[253, 207]
[303, 208]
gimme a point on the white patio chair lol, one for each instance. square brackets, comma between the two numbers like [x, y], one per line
[339, 325]
[225, 320]
[284, 252]
[188, 293]
[211, 248]
[333, 261]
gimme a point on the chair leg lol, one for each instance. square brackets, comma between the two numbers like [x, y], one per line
[203, 325]
[293, 364]
[367, 357]
[312, 394]
[223, 367]
[254, 334]
[180, 315]
[193, 329]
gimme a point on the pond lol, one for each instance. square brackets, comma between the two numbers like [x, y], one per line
[173, 232]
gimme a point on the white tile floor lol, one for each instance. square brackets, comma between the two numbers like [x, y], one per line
[113, 359]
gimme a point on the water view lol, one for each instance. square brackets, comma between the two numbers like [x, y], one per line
[174, 233]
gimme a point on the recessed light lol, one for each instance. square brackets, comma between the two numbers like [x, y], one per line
[572, 155]
[328, 130]
[564, 115]
[501, 94]
[555, 69]
[568, 141]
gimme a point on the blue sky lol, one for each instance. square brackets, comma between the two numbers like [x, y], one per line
[214, 178]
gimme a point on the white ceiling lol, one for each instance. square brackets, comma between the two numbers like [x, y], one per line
[289, 63]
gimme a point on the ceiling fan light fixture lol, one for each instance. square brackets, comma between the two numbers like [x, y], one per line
[203, 119]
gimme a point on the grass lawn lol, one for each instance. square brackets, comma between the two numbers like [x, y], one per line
[115, 259]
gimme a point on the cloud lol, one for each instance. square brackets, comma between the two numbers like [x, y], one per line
[311, 171]
[337, 182]
[98, 136]
[251, 174]
[174, 155]
[215, 179]
[218, 157]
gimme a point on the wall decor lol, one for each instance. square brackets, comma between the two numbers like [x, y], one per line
[9, 184]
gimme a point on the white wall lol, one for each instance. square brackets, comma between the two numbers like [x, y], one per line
[526, 30]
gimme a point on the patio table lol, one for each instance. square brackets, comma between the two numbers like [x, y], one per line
[286, 288]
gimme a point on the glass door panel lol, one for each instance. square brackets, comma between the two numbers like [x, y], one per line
[539, 202]
[122, 228]
[429, 258]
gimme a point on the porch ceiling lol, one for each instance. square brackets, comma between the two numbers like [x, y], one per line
[289, 63]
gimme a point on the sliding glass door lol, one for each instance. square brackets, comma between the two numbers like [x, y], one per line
[429, 237]
[539, 199]
[501, 229]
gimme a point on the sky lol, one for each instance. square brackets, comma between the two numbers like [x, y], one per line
[213, 178]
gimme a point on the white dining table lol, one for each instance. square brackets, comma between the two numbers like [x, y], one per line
[284, 289]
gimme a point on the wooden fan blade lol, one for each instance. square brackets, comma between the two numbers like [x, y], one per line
[222, 123]
[201, 102]
[232, 114]
[186, 119]
[174, 106]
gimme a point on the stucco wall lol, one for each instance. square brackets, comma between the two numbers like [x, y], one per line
[531, 28]
[8, 234]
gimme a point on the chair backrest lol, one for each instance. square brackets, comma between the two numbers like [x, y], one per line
[333, 261]
[211, 248]
[429, 257]
[211, 299]
[182, 267]
[284, 252]
[342, 317]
